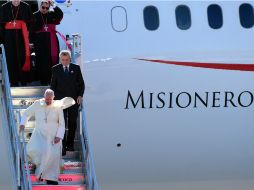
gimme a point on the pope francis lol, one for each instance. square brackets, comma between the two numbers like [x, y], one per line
[45, 145]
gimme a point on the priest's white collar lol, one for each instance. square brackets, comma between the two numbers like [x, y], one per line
[43, 103]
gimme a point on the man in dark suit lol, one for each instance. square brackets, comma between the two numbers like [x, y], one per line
[67, 81]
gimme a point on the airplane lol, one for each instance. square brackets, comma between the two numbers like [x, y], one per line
[168, 103]
[169, 94]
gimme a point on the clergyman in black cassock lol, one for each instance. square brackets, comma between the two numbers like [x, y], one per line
[43, 36]
[67, 81]
[14, 19]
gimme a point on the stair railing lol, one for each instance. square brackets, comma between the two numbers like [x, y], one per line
[24, 160]
[87, 153]
[18, 156]
[76, 46]
[9, 143]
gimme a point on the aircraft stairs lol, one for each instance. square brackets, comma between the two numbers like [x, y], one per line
[77, 172]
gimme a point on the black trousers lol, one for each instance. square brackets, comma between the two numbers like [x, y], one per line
[70, 117]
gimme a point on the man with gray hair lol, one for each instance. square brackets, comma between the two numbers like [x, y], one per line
[45, 145]
[67, 81]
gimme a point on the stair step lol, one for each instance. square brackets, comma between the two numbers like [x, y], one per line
[70, 167]
[64, 179]
[73, 167]
[77, 146]
[73, 171]
[23, 102]
[66, 171]
[72, 155]
[76, 142]
[59, 187]
[19, 107]
[32, 91]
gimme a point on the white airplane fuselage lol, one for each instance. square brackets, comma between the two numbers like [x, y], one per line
[153, 121]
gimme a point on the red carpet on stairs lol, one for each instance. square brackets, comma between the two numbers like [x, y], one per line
[59, 187]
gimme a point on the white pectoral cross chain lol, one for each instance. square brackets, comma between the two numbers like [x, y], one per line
[45, 22]
[14, 17]
[46, 28]
[46, 116]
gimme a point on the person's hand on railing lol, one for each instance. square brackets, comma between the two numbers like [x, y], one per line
[21, 128]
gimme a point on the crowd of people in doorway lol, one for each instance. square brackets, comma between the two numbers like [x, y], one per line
[23, 32]
[57, 112]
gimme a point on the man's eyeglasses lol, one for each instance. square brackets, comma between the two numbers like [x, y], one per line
[43, 7]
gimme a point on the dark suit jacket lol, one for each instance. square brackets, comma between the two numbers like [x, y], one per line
[67, 86]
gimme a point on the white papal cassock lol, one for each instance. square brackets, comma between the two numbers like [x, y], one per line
[49, 123]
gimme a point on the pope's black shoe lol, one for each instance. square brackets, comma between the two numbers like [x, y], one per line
[50, 182]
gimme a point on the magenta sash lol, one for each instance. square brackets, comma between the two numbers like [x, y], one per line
[53, 41]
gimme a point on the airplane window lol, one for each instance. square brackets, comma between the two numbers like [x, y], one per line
[183, 17]
[119, 19]
[151, 18]
[246, 15]
[215, 18]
